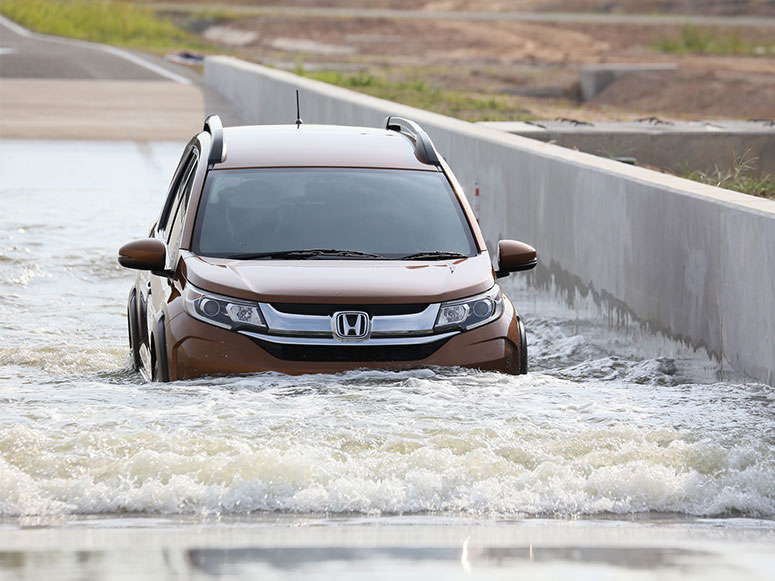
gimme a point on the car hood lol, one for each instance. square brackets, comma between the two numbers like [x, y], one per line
[341, 281]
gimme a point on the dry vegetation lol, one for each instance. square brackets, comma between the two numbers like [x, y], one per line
[118, 23]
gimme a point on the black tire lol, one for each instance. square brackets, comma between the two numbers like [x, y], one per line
[131, 319]
[160, 371]
[522, 348]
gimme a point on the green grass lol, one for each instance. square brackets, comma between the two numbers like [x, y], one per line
[694, 40]
[741, 178]
[117, 23]
[420, 94]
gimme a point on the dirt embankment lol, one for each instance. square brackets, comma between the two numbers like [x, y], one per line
[703, 7]
[699, 7]
[536, 62]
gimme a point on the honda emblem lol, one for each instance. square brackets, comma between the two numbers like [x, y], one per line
[351, 326]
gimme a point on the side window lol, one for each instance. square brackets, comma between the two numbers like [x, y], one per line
[168, 212]
[180, 211]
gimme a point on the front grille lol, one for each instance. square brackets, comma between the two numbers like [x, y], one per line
[375, 310]
[342, 353]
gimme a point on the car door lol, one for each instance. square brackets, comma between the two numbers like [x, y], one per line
[157, 288]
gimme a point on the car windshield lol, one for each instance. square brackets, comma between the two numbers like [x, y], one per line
[371, 213]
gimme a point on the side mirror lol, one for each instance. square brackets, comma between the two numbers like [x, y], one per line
[514, 256]
[145, 254]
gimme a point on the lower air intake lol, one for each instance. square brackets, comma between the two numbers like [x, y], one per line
[351, 353]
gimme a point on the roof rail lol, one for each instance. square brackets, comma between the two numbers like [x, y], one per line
[423, 146]
[214, 127]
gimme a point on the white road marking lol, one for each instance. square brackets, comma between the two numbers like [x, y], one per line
[7, 50]
[144, 63]
[11, 25]
[133, 58]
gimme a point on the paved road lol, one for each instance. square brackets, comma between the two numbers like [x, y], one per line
[27, 55]
[562, 17]
[60, 88]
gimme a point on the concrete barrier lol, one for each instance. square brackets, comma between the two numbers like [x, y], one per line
[678, 147]
[689, 260]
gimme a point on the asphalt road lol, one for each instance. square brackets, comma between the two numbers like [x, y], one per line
[31, 56]
[58, 88]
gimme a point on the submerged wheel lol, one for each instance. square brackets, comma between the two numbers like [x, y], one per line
[131, 319]
[159, 369]
[522, 348]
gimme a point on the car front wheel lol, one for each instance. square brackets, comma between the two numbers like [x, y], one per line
[522, 348]
[160, 370]
[134, 343]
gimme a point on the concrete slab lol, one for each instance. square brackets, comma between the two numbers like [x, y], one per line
[595, 78]
[678, 147]
[88, 109]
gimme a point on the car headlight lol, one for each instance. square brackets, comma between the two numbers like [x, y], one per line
[222, 311]
[471, 312]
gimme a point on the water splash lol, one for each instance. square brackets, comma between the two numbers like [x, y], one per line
[609, 422]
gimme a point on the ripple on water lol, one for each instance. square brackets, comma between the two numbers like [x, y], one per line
[22, 275]
[97, 265]
[72, 355]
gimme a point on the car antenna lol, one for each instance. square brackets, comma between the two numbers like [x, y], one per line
[298, 111]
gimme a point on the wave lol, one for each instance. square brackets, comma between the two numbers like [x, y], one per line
[380, 443]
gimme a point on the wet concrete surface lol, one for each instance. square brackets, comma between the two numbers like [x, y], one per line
[305, 547]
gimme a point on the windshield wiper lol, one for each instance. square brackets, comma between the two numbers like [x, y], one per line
[302, 254]
[433, 255]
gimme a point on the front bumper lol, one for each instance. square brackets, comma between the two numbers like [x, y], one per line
[198, 349]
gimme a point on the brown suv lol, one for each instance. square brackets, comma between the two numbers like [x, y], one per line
[306, 249]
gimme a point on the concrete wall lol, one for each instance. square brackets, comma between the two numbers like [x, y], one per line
[693, 261]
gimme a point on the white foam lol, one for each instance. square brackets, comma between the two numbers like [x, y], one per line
[376, 443]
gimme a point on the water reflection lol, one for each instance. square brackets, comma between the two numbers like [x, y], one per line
[219, 561]
[246, 563]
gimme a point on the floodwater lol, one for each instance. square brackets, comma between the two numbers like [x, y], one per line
[621, 455]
